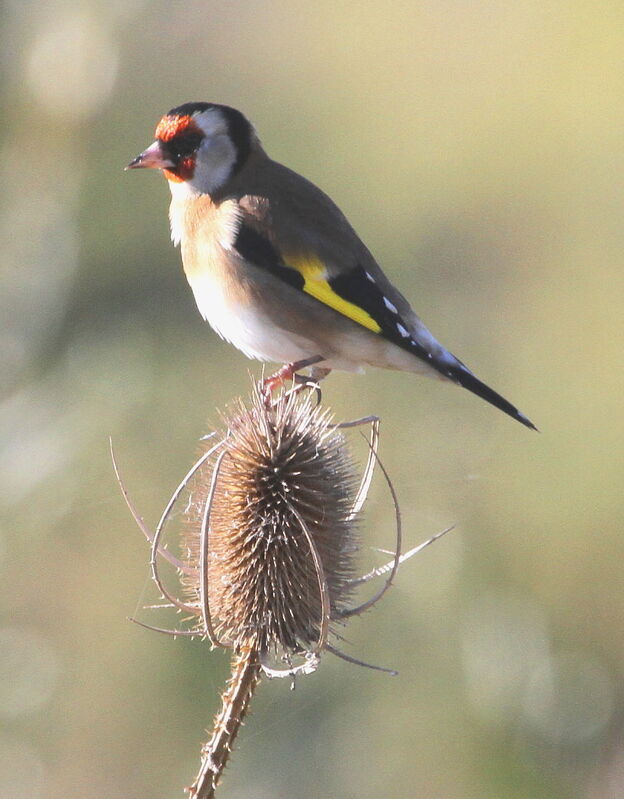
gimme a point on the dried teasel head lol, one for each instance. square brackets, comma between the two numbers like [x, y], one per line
[271, 533]
[271, 516]
[270, 537]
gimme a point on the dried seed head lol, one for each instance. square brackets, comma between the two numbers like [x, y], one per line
[279, 542]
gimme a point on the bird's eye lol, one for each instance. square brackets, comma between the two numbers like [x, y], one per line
[183, 145]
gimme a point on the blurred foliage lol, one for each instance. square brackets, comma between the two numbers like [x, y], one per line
[477, 148]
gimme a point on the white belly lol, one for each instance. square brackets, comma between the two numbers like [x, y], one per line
[245, 327]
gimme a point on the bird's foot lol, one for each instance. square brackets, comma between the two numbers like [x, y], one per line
[290, 372]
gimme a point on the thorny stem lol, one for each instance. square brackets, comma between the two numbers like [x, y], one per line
[235, 703]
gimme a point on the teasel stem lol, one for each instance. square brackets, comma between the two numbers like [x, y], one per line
[235, 704]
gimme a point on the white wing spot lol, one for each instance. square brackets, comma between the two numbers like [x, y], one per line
[370, 277]
[404, 332]
[390, 306]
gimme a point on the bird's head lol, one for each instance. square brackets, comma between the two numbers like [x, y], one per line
[199, 146]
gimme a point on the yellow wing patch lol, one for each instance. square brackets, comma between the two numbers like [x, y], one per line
[316, 285]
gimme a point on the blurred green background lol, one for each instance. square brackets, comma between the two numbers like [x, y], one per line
[478, 149]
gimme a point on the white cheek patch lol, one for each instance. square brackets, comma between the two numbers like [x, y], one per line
[211, 122]
[215, 161]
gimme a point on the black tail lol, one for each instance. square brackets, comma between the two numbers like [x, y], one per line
[465, 378]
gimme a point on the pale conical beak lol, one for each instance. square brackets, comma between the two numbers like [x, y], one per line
[152, 158]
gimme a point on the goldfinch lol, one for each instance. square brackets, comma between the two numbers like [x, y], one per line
[275, 267]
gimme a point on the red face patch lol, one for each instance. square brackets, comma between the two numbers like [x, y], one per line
[170, 127]
[184, 170]
[180, 133]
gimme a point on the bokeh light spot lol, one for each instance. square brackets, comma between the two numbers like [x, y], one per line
[570, 699]
[504, 639]
[21, 771]
[28, 672]
[72, 65]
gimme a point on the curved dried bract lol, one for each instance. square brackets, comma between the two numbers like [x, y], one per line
[397, 550]
[139, 519]
[176, 494]
[193, 609]
[203, 556]
[369, 469]
[322, 585]
[174, 633]
[357, 662]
